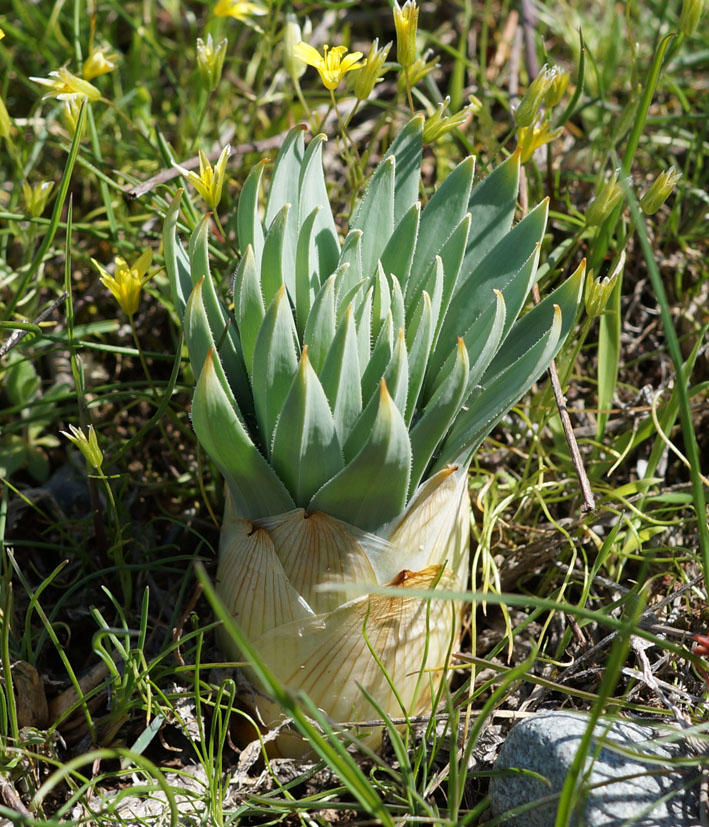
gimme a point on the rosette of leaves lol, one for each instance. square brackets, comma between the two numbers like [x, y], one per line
[342, 397]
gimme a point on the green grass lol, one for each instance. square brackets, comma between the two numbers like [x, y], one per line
[100, 594]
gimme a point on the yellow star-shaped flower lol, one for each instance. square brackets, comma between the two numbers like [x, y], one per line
[127, 281]
[332, 65]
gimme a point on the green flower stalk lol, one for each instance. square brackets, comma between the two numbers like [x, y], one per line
[342, 401]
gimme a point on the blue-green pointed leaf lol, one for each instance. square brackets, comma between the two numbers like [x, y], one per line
[321, 325]
[306, 273]
[306, 452]
[396, 377]
[398, 314]
[493, 400]
[398, 254]
[276, 357]
[274, 265]
[381, 301]
[510, 268]
[351, 255]
[438, 415]
[363, 321]
[439, 219]
[285, 181]
[371, 489]
[224, 332]
[434, 287]
[407, 149]
[351, 297]
[451, 259]
[248, 219]
[421, 335]
[257, 490]
[177, 263]
[248, 305]
[313, 193]
[482, 341]
[492, 207]
[340, 377]
[526, 330]
[378, 361]
[375, 215]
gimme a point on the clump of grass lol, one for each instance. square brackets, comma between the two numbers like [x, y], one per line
[104, 618]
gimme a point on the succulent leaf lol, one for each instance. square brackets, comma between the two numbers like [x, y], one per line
[321, 325]
[253, 483]
[248, 220]
[177, 262]
[305, 444]
[398, 255]
[248, 305]
[421, 333]
[407, 149]
[276, 356]
[342, 363]
[313, 195]
[306, 271]
[371, 489]
[375, 214]
[274, 266]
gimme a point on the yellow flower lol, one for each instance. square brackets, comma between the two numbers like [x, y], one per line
[439, 124]
[87, 444]
[5, 123]
[99, 62]
[2, 34]
[65, 86]
[530, 138]
[406, 22]
[332, 65]
[239, 9]
[127, 281]
[210, 180]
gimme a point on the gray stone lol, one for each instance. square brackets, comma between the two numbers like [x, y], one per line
[547, 742]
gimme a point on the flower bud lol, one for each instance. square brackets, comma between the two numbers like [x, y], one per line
[5, 122]
[72, 108]
[36, 197]
[437, 124]
[371, 73]
[99, 62]
[292, 34]
[558, 81]
[210, 60]
[605, 202]
[526, 112]
[659, 191]
[421, 67]
[597, 292]
[406, 23]
[87, 444]
[690, 15]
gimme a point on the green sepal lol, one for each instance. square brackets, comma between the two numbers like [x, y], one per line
[407, 148]
[371, 489]
[438, 415]
[321, 325]
[396, 377]
[306, 272]
[375, 215]
[398, 255]
[492, 207]
[340, 376]
[421, 335]
[257, 490]
[306, 451]
[439, 219]
[313, 194]
[248, 305]
[276, 356]
[177, 263]
[493, 400]
[274, 268]
[378, 361]
[249, 228]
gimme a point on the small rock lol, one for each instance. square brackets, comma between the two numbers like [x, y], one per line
[546, 743]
